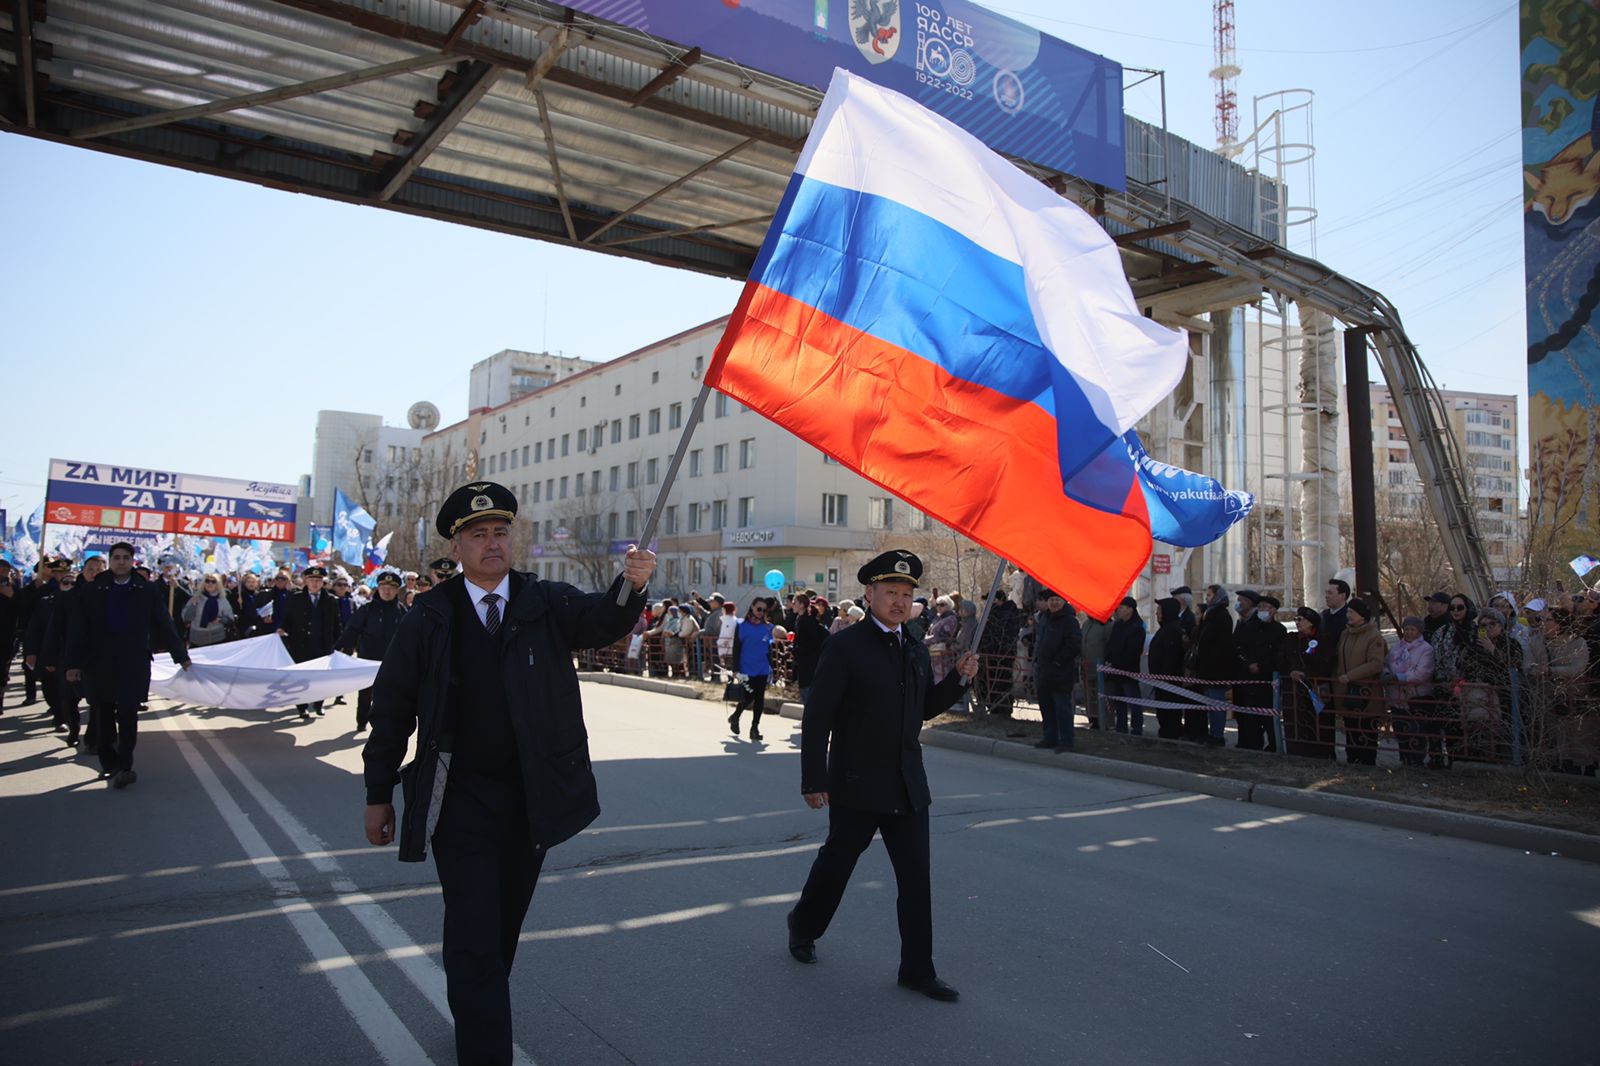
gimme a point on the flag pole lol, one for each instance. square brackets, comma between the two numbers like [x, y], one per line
[988, 608]
[649, 531]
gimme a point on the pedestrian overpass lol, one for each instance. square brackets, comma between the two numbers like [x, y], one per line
[532, 119]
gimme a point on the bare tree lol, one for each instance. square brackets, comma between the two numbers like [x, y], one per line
[1555, 507]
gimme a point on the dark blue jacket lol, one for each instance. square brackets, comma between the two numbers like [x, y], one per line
[116, 662]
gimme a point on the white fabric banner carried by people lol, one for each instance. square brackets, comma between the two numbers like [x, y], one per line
[257, 675]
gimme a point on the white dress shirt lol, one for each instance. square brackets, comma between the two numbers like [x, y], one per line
[503, 590]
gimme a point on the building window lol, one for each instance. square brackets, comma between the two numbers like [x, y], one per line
[719, 514]
[722, 406]
[675, 416]
[633, 474]
[655, 420]
[719, 570]
[828, 460]
[615, 478]
[491, 466]
[719, 459]
[549, 488]
[563, 488]
[835, 509]
[538, 452]
[696, 458]
[578, 488]
[655, 377]
[616, 390]
[672, 572]
[917, 522]
[550, 449]
[564, 439]
[583, 401]
[669, 519]
[513, 458]
[747, 453]
[536, 487]
[633, 524]
[650, 471]
[549, 530]
[694, 518]
[594, 483]
[747, 570]
[747, 511]
[880, 512]
[633, 427]
[583, 440]
[616, 431]
[524, 455]
[611, 525]
[696, 571]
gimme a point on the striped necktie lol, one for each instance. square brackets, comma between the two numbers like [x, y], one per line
[491, 620]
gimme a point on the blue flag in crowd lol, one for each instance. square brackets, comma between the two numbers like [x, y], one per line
[352, 525]
[1186, 509]
[35, 526]
[1583, 564]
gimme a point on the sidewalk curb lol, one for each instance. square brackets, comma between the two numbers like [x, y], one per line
[680, 689]
[1476, 827]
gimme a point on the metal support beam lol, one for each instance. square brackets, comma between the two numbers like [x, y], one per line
[1363, 491]
[555, 162]
[685, 231]
[266, 96]
[22, 23]
[1152, 233]
[547, 59]
[653, 197]
[466, 21]
[666, 77]
[463, 96]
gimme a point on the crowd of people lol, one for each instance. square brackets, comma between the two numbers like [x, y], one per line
[65, 634]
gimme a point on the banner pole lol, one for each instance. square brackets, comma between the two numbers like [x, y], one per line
[983, 619]
[649, 530]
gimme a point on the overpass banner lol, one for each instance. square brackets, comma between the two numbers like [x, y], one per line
[1020, 91]
[160, 501]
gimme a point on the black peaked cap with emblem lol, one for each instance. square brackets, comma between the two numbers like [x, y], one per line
[389, 577]
[473, 502]
[58, 565]
[313, 571]
[443, 567]
[895, 565]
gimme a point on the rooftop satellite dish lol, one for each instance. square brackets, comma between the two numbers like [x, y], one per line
[423, 415]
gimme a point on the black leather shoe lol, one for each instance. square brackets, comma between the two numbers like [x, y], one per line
[933, 988]
[802, 949]
[733, 722]
[755, 734]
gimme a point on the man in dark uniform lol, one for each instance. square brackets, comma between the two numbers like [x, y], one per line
[55, 646]
[370, 632]
[10, 590]
[443, 569]
[481, 669]
[860, 758]
[37, 652]
[113, 624]
[27, 599]
[309, 626]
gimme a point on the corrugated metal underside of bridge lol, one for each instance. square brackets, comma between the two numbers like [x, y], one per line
[512, 115]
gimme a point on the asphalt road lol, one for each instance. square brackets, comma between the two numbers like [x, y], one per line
[225, 909]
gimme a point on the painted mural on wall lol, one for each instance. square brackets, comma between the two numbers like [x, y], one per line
[1561, 239]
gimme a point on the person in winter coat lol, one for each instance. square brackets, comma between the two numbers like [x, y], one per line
[1166, 660]
[1259, 641]
[246, 601]
[1307, 661]
[371, 631]
[941, 638]
[1057, 641]
[810, 633]
[1450, 648]
[1489, 667]
[1563, 681]
[1357, 666]
[309, 626]
[1410, 664]
[1214, 661]
[208, 615]
[997, 649]
[39, 650]
[1095, 635]
[109, 636]
[482, 671]
[1125, 652]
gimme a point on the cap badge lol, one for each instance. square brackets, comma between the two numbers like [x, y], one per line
[482, 503]
[902, 567]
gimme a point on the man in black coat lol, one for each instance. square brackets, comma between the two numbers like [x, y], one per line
[998, 646]
[39, 653]
[1213, 660]
[481, 669]
[370, 632]
[1335, 617]
[1057, 642]
[309, 626]
[861, 758]
[27, 600]
[67, 711]
[1259, 641]
[109, 635]
[1125, 652]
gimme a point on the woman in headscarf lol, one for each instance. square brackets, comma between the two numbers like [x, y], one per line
[1516, 628]
[1410, 662]
[1358, 665]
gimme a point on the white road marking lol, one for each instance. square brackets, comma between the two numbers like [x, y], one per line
[385, 932]
[1169, 958]
[56, 1014]
[366, 1007]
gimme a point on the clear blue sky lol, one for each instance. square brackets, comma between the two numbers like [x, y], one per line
[159, 318]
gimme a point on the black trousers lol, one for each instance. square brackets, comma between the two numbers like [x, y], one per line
[30, 681]
[487, 869]
[363, 707]
[118, 728]
[755, 698]
[905, 837]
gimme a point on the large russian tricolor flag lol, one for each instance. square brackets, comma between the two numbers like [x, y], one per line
[956, 332]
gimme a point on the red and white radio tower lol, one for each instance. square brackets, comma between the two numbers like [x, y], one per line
[1223, 73]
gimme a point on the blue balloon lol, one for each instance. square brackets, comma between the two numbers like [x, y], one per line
[775, 580]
